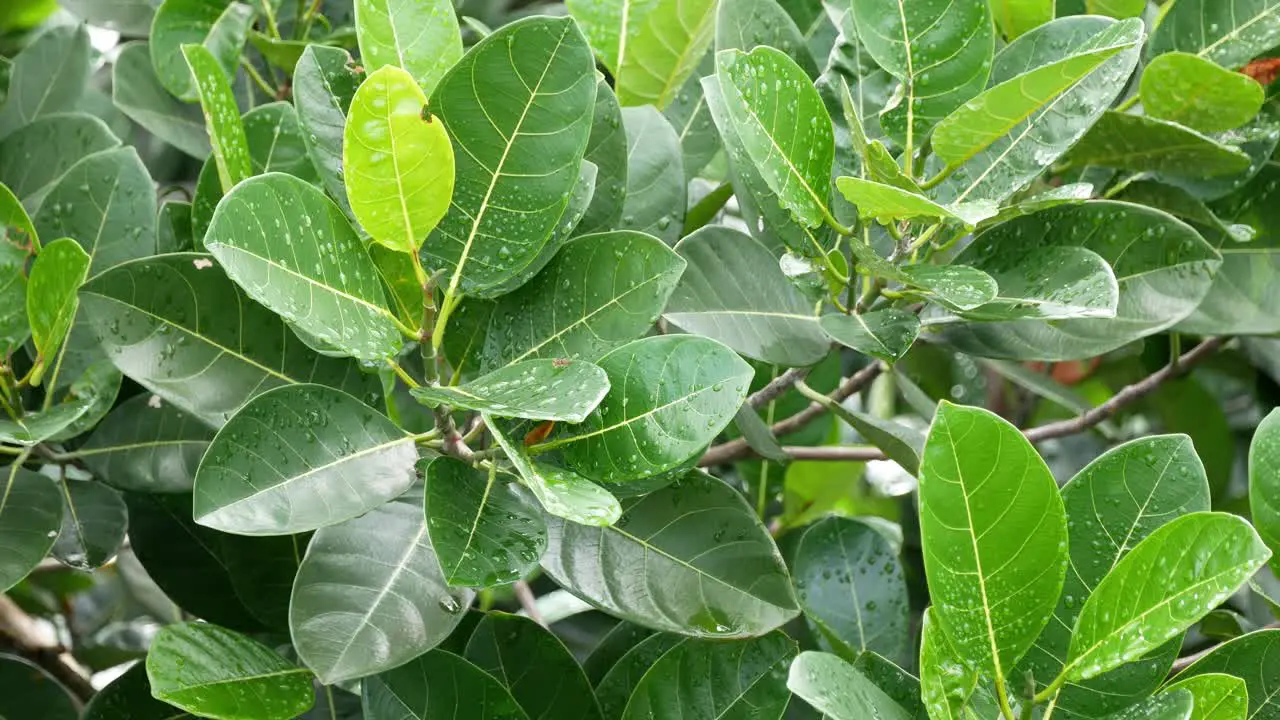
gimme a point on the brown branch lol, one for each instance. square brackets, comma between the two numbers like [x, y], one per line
[528, 602]
[738, 448]
[777, 387]
[26, 639]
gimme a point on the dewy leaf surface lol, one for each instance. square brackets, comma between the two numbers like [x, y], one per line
[1254, 657]
[221, 116]
[52, 301]
[324, 82]
[1191, 91]
[1228, 32]
[1217, 696]
[656, 57]
[47, 77]
[299, 458]
[534, 665]
[137, 92]
[437, 686]
[834, 688]
[220, 27]
[552, 389]
[672, 567]
[656, 184]
[1145, 144]
[1264, 480]
[884, 334]
[30, 515]
[421, 37]
[35, 157]
[994, 535]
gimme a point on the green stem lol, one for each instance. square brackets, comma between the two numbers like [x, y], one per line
[447, 306]
[272, 27]
[925, 237]
[257, 78]
[1051, 692]
[1048, 711]
[762, 492]
[1002, 696]
[834, 224]
[6, 450]
[1133, 100]
[400, 373]
[936, 180]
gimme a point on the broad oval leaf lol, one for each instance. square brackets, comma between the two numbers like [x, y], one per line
[851, 588]
[1048, 283]
[783, 126]
[18, 241]
[36, 156]
[214, 672]
[669, 396]
[369, 594]
[1255, 657]
[611, 648]
[748, 681]
[1159, 284]
[1264, 480]
[671, 567]
[551, 389]
[56, 276]
[746, 24]
[958, 287]
[691, 117]
[660, 45]
[138, 93]
[30, 515]
[437, 686]
[1228, 33]
[301, 457]
[93, 524]
[220, 27]
[1172, 705]
[324, 82]
[421, 37]
[834, 688]
[1218, 696]
[607, 148]
[398, 161]
[275, 141]
[1167, 582]
[655, 196]
[483, 532]
[733, 290]
[887, 204]
[1145, 144]
[994, 534]
[129, 696]
[36, 427]
[885, 334]
[318, 276]
[514, 172]
[47, 77]
[534, 665]
[616, 687]
[1194, 92]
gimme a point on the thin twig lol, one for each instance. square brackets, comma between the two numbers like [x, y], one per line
[527, 601]
[778, 386]
[25, 637]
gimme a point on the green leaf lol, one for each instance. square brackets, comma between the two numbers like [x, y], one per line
[47, 77]
[1080, 285]
[1016, 17]
[733, 291]
[758, 436]
[599, 293]
[612, 647]
[994, 534]
[670, 566]
[655, 196]
[851, 588]
[324, 83]
[1194, 92]
[18, 240]
[30, 515]
[607, 149]
[669, 397]
[129, 696]
[661, 52]
[1180, 203]
[1175, 705]
[275, 142]
[173, 307]
[217, 673]
[298, 458]
[746, 24]
[1264, 480]
[319, 277]
[398, 161]
[56, 276]
[262, 570]
[616, 687]
[93, 525]
[609, 26]
[221, 117]
[1229, 34]
[534, 665]
[34, 158]
[783, 127]
[834, 688]
[483, 532]
[422, 38]
[974, 126]
[1217, 696]
[561, 492]
[36, 427]
[128, 17]
[1186, 567]
[748, 680]
[690, 115]
[956, 286]
[1022, 154]
[220, 27]
[1159, 285]
[105, 202]
[946, 683]
[173, 228]
[885, 334]
[27, 690]
[438, 686]
[534, 389]
[367, 580]
[1255, 658]
[1138, 143]
[518, 169]
[137, 92]
[941, 52]
[887, 204]
[1113, 504]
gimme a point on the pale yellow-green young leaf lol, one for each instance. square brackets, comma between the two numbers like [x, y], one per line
[398, 161]
[886, 203]
[1016, 17]
[221, 117]
[420, 36]
[658, 54]
[1204, 96]
[56, 276]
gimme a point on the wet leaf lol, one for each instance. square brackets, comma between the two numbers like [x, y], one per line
[668, 40]
[324, 82]
[18, 240]
[946, 682]
[137, 92]
[747, 24]
[398, 161]
[36, 156]
[1191, 91]
[419, 37]
[1138, 143]
[708, 678]
[1174, 705]
[884, 334]
[616, 687]
[655, 195]
[173, 228]
[834, 688]
[299, 458]
[34, 428]
[607, 148]
[1016, 17]
[1264, 480]
[275, 141]
[553, 389]
[129, 696]
[438, 686]
[561, 492]
[93, 524]
[1254, 658]
[887, 204]
[534, 665]
[221, 117]
[27, 690]
[365, 581]
[47, 77]
[690, 558]
[690, 115]
[220, 27]
[30, 515]
[612, 647]
[1229, 34]
[1217, 696]
[1079, 284]
[52, 302]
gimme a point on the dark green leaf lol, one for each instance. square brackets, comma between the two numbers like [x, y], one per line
[733, 291]
[137, 92]
[836, 689]
[1138, 143]
[128, 697]
[689, 114]
[218, 673]
[30, 515]
[607, 148]
[655, 195]
[994, 534]
[715, 679]
[275, 141]
[956, 286]
[1255, 658]
[483, 531]
[93, 524]
[129, 17]
[28, 691]
[37, 155]
[366, 581]
[52, 302]
[1054, 283]
[612, 647]
[324, 82]
[18, 240]
[1230, 34]
[900, 442]
[218, 26]
[173, 228]
[885, 334]
[1217, 696]
[421, 37]
[617, 686]
[438, 686]
[534, 665]
[47, 77]
[561, 492]
[1189, 90]
[549, 389]
[669, 397]
[1264, 479]
[301, 457]
[36, 427]
[690, 558]
[517, 170]
[851, 589]
[757, 434]
[1174, 705]
[262, 570]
